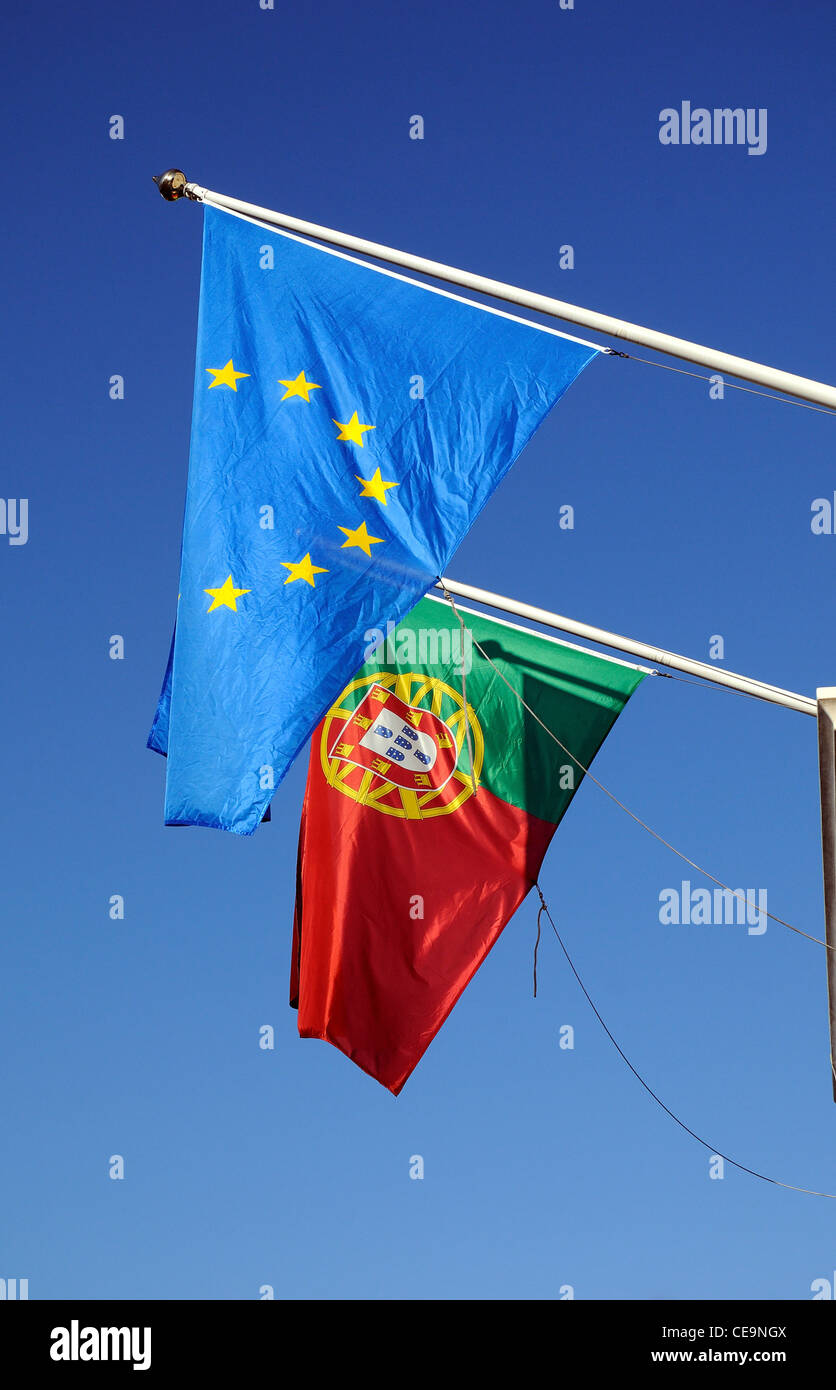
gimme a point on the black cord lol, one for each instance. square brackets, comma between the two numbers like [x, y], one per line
[753, 1172]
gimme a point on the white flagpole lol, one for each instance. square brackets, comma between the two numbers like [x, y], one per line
[747, 685]
[173, 185]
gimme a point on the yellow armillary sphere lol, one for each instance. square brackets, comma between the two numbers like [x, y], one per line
[378, 715]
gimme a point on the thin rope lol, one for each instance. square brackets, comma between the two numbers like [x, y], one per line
[734, 386]
[753, 1172]
[536, 947]
[681, 855]
[467, 729]
[706, 685]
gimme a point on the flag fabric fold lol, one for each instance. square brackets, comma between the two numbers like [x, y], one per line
[348, 426]
[405, 876]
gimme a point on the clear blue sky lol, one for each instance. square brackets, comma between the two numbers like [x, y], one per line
[544, 1167]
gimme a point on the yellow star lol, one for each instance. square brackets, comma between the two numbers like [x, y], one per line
[225, 376]
[225, 596]
[304, 570]
[375, 487]
[353, 431]
[299, 387]
[360, 538]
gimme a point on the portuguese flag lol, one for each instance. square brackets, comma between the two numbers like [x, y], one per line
[406, 876]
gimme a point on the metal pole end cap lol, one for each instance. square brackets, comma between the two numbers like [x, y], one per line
[172, 184]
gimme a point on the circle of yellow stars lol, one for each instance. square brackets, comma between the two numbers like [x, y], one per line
[374, 488]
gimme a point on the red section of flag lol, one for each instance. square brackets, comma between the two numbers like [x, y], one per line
[394, 916]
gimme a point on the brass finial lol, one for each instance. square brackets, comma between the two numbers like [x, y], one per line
[172, 184]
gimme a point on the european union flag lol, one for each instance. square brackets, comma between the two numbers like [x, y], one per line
[349, 424]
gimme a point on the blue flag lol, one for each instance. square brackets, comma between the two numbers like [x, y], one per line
[349, 424]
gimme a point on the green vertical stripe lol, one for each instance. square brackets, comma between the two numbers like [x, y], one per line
[577, 694]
